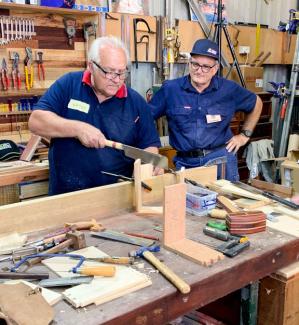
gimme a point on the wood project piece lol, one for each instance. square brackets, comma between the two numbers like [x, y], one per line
[246, 222]
[31, 147]
[142, 172]
[174, 229]
[101, 289]
[227, 204]
[229, 188]
[249, 204]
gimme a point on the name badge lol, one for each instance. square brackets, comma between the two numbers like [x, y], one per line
[78, 105]
[213, 118]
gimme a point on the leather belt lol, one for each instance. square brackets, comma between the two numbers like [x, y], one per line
[197, 153]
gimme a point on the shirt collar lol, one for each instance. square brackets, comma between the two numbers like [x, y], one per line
[121, 93]
[186, 84]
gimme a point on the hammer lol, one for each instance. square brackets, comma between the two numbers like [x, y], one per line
[145, 252]
[74, 239]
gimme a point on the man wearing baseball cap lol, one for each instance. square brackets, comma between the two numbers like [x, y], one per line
[199, 108]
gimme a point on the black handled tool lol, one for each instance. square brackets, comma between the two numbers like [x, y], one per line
[269, 195]
[125, 178]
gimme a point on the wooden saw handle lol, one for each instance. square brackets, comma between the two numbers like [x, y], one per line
[170, 275]
[113, 144]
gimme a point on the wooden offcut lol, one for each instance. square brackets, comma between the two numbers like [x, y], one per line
[175, 231]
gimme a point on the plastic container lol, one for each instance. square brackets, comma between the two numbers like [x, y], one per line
[199, 200]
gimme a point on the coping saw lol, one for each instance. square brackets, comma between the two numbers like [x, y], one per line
[144, 156]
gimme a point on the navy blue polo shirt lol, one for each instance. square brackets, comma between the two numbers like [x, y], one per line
[125, 118]
[200, 120]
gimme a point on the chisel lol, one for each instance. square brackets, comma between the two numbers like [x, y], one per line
[107, 271]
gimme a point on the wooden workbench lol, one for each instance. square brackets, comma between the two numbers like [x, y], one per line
[161, 302]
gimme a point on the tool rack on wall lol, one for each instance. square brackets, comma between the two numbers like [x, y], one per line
[41, 29]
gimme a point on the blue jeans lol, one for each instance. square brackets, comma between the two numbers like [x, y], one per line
[231, 168]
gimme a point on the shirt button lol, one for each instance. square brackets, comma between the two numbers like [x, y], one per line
[199, 108]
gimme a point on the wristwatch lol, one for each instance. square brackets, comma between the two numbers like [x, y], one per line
[247, 133]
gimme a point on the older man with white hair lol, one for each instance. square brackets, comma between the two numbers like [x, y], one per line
[83, 109]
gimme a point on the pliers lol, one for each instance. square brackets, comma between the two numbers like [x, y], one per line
[16, 76]
[4, 75]
[28, 67]
[40, 66]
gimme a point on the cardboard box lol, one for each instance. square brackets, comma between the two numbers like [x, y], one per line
[253, 77]
[290, 174]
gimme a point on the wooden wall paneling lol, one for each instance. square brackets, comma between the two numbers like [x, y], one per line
[189, 32]
[141, 48]
[113, 26]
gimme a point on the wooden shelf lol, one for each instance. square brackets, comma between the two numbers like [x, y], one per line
[15, 113]
[21, 93]
[53, 10]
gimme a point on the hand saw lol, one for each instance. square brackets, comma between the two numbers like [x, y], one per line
[144, 156]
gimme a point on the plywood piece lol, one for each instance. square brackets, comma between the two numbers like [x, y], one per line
[101, 289]
[11, 241]
[30, 148]
[174, 213]
[249, 204]
[229, 188]
[195, 252]
[290, 271]
[174, 229]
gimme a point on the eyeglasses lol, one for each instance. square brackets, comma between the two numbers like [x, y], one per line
[204, 68]
[112, 75]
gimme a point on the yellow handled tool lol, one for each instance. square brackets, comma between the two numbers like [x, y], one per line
[107, 271]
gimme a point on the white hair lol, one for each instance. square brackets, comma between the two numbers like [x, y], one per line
[99, 43]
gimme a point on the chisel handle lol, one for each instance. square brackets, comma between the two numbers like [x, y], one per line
[170, 275]
[113, 144]
[107, 271]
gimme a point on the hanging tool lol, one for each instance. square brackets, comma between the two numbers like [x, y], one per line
[145, 40]
[70, 28]
[269, 195]
[4, 75]
[28, 68]
[90, 34]
[125, 178]
[40, 66]
[135, 153]
[145, 252]
[16, 76]
[137, 21]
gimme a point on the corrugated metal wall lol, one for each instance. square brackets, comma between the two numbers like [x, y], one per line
[246, 11]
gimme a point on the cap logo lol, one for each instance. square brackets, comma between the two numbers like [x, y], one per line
[211, 51]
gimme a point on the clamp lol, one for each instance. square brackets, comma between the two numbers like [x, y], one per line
[16, 76]
[28, 68]
[40, 66]
[4, 75]
[280, 90]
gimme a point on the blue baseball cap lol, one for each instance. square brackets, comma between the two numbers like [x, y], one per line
[205, 47]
